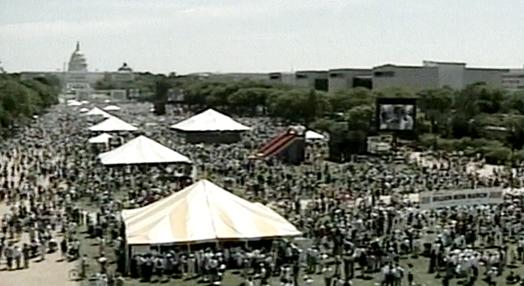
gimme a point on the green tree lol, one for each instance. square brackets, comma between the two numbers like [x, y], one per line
[436, 105]
[360, 117]
[343, 100]
[160, 99]
[479, 98]
[394, 92]
[46, 92]
[514, 101]
[248, 99]
[514, 125]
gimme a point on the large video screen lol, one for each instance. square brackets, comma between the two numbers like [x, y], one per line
[396, 114]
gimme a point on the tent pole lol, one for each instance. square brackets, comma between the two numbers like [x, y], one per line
[128, 259]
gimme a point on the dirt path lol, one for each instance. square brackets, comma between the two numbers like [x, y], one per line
[50, 272]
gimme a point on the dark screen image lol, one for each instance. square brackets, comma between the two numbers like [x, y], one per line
[396, 117]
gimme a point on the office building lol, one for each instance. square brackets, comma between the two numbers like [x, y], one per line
[433, 75]
[340, 79]
[513, 80]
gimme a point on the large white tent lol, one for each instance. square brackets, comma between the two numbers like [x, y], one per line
[312, 135]
[113, 124]
[203, 212]
[112, 108]
[98, 111]
[102, 138]
[73, 103]
[209, 120]
[142, 150]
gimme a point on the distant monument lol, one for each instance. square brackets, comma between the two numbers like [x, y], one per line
[76, 78]
[77, 62]
[78, 82]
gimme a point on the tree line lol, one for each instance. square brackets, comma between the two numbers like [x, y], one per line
[21, 100]
[478, 119]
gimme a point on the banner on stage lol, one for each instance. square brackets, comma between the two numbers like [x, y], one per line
[483, 196]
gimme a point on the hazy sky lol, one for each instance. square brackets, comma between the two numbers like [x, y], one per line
[259, 35]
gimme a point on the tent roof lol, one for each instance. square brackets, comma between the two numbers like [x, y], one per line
[98, 111]
[112, 107]
[203, 212]
[142, 150]
[113, 124]
[102, 138]
[74, 103]
[312, 135]
[210, 120]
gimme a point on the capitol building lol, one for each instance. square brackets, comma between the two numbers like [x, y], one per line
[78, 80]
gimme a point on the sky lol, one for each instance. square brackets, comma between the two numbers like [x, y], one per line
[186, 36]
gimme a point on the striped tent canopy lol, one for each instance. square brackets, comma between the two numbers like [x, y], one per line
[203, 212]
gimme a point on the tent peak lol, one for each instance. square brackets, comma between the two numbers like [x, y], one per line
[209, 121]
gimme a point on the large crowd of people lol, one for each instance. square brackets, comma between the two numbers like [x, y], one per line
[53, 185]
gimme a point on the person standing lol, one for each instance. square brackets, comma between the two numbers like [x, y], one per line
[84, 264]
[26, 252]
[8, 253]
[17, 255]
[102, 260]
[63, 248]
[328, 274]
[42, 249]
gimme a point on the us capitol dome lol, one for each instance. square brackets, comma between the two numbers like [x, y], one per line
[77, 62]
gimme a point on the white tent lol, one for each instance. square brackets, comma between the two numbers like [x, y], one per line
[312, 135]
[83, 110]
[98, 111]
[112, 108]
[102, 138]
[113, 124]
[142, 150]
[203, 212]
[209, 120]
[74, 103]
[84, 102]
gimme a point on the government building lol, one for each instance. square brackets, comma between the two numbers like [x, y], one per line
[430, 74]
[79, 81]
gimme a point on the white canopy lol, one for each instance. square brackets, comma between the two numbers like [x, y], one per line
[112, 108]
[73, 103]
[84, 102]
[210, 120]
[203, 212]
[142, 150]
[113, 124]
[84, 110]
[102, 138]
[312, 135]
[98, 111]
